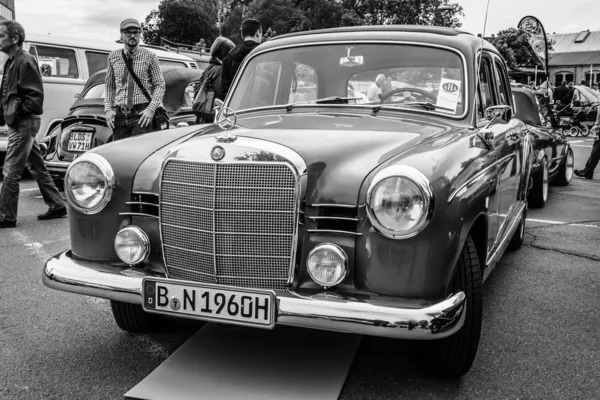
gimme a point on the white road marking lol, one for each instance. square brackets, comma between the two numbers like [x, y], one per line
[581, 145]
[36, 247]
[576, 141]
[29, 190]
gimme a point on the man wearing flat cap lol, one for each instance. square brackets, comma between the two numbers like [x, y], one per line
[129, 108]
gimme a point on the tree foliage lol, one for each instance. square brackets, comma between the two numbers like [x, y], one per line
[181, 21]
[187, 21]
[513, 45]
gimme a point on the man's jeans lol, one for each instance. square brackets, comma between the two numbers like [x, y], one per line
[23, 151]
[127, 124]
[592, 162]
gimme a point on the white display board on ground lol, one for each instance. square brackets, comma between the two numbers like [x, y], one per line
[232, 362]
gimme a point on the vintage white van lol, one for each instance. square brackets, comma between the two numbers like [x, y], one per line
[66, 64]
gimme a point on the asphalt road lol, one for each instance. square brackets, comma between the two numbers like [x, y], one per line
[540, 337]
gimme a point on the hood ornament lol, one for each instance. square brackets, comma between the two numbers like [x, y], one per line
[226, 119]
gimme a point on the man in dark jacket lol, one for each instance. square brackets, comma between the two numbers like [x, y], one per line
[252, 35]
[563, 94]
[21, 103]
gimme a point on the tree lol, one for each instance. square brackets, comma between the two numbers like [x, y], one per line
[282, 16]
[513, 45]
[410, 12]
[181, 21]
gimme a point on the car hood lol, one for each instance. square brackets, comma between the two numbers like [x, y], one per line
[339, 151]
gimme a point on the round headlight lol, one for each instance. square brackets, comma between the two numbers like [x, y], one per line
[132, 245]
[327, 264]
[399, 202]
[89, 183]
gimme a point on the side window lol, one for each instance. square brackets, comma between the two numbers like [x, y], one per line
[57, 62]
[261, 89]
[96, 61]
[502, 85]
[486, 93]
[305, 85]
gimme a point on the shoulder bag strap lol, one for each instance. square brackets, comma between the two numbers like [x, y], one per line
[134, 76]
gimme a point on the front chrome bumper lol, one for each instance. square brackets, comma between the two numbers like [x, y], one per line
[327, 312]
[57, 166]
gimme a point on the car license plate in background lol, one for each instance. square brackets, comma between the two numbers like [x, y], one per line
[80, 141]
[210, 302]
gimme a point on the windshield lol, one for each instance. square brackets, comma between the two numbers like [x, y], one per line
[387, 75]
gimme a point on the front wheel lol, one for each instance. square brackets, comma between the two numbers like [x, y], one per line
[453, 357]
[132, 318]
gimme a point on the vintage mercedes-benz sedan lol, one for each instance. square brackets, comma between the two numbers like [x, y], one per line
[326, 195]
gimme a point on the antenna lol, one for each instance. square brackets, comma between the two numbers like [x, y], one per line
[487, 9]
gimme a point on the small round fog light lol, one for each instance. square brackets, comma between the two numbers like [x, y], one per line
[327, 264]
[132, 245]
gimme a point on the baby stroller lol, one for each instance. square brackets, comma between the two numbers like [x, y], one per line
[570, 119]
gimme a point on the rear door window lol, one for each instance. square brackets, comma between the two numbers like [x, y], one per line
[57, 62]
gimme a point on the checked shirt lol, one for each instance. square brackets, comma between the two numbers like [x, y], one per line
[147, 69]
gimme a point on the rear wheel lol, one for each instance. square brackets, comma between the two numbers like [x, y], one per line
[565, 173]
[538, 194]
[453, 357]
[132, 318]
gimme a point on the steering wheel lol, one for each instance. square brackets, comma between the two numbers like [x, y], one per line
[422, 92]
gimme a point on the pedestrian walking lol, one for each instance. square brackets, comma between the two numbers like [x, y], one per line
[210, 81]
[252, 34]
[21, 104]
[133, 73]
[592, 162]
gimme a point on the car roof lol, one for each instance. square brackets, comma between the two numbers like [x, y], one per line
[450, 37]
[106, 45]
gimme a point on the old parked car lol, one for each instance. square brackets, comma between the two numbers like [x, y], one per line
[553, 157]
[85, 127]
[379, 217]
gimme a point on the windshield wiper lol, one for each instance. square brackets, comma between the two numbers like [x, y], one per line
[425, 104]
[324, 100]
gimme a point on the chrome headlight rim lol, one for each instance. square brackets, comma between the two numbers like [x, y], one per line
[109, 181]
[421, 182]
[339, 252]
[143, 237]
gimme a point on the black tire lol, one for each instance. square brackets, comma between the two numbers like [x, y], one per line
[132, 318]
[453, 357]
[584, 131]
[519, 236]
[538, 194]
[565, 172]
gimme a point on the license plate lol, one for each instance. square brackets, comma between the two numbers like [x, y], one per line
[80, 141]
[210, 302]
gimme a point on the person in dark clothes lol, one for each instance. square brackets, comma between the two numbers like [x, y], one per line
[252, 35]
[219, 49]
[588, 171]
[563, 94]
[21, 104]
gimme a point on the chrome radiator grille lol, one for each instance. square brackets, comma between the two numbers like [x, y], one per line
[230, 224]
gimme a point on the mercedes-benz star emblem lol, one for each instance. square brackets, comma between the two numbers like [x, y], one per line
[227, 119]
[217, 153]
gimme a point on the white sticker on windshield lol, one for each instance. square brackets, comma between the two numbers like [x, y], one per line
[448, 95]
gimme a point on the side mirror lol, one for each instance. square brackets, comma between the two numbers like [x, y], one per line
[501, 114]
[218, 105]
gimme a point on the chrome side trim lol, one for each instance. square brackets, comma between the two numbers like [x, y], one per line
[476, 177]
[333, 231]
[333, 205]
[505, 240]
[138, 214]
[320, 311]
[336, 218]
[467, 84]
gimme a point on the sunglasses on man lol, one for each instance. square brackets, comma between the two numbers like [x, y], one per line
[131, 33]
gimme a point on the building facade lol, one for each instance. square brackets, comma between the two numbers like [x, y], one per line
[575, 57]
[7, 9]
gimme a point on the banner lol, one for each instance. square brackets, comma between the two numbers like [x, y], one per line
[537, 38]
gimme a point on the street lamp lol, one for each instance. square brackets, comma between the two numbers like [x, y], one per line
[442, 9]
